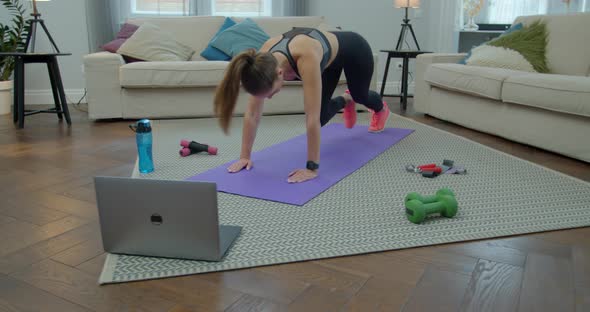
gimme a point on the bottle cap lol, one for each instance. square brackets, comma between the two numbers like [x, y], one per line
[143, 126]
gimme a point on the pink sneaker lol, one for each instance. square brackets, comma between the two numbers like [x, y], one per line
[378, 120]
[349, 114]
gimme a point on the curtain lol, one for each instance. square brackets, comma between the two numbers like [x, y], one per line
[444, 20]
[98, 25]
[290, 7]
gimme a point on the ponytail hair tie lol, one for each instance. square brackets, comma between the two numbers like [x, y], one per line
[250, 60]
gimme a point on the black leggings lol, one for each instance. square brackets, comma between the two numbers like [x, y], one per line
[355, 57]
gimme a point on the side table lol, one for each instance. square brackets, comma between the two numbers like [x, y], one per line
[406, 55]
[59, 96]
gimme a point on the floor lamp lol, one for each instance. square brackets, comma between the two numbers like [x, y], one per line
[406, 26]
[33, 29]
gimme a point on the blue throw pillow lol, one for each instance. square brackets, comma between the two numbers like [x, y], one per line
[509, 30]
[240, 37]
[512, 28]
[212, 54]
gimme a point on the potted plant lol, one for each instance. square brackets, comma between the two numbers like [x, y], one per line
[14, 35]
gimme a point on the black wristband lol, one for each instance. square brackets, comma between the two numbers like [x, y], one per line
[312, 165]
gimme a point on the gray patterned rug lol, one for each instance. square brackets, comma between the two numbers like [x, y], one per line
[501, 195]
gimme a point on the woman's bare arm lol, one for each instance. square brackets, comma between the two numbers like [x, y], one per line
[251, 121]
[309, 68]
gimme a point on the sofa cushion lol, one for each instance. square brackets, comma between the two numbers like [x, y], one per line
[497, 57]
[510, 30]
[180, 75]
[567, 94]
[172, 74]
[523, 49]
[213, 54]
[481, 81]
[194, 31]
[568, 44]
[127, 30]
[151, 43]
[240, 37]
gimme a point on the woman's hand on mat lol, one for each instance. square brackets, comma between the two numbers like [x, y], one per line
[301, 175]
[240, 164]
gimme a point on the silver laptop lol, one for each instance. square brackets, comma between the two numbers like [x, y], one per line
[171, 219]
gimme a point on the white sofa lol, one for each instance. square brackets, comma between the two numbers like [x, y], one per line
[548, 111]
[182, 89]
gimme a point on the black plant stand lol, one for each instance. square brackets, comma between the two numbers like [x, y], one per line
[59, 96]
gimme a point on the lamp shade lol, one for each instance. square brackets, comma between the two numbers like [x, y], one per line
[406, 3]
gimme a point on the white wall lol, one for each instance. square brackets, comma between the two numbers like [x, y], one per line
[66, 22]
[379, 22]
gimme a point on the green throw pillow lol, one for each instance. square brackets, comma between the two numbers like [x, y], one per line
[524, 49]
[509, 30]
[530, 42]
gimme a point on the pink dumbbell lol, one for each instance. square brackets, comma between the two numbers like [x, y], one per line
[192, 147]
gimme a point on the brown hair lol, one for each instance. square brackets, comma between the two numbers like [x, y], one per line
[256, 72]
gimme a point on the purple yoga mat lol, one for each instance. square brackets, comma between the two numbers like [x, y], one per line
[342, 152]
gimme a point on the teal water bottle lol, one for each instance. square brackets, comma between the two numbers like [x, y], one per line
[143, 137]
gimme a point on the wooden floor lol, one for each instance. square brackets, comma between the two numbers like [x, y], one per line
[51, 253]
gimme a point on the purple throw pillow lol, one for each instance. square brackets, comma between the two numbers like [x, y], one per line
[127, 31]
[114, 45]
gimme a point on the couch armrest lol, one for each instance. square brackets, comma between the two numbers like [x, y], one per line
[422, 99]
[102, 85]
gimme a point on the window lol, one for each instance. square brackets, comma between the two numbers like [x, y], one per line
[505, 11]
[165, 7]
[241, 7]
[205, 7]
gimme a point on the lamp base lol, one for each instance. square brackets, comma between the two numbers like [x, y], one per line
[402, 36]
[31, 36]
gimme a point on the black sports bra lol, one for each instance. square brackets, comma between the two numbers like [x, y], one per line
[283, 45]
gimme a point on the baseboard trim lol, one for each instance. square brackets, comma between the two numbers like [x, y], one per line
[45, 97]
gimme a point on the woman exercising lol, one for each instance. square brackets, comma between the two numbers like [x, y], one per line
[317, 58]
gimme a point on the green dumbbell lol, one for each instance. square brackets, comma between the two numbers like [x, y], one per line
[430, 198]
[416, 211]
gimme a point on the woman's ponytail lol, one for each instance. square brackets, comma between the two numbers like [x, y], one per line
[227, 92]
[255, 71]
